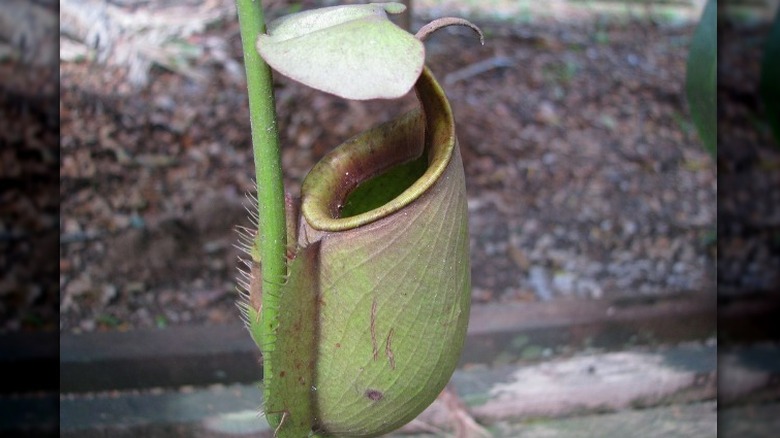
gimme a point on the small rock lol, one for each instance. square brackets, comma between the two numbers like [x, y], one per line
[539, 279]
[629, 228]
[78, 286]
[608, 122]
[546, 114]
[109, 294]
[589, 288]
[481, 294]
[143, 315]
[134, 287]
[518, 257]
[120, 222]
[88, 325]
[564, 282]
[71, 226]
[545, 241]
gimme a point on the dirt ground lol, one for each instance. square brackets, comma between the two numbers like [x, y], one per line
[29, 202]
[585, 176]
[748, 177]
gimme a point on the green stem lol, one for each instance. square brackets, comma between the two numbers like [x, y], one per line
[271, 240]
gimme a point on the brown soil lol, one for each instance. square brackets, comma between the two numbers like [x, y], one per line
[585, 177]
[29, 134]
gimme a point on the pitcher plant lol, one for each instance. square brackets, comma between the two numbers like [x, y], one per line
[365, 325]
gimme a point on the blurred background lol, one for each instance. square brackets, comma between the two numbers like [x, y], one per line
[599, 223]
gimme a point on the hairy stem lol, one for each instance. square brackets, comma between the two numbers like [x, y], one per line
[270, 242]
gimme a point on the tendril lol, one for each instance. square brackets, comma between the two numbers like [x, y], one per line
[439, 23]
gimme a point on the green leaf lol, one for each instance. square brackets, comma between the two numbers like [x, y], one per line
[701, 77]
[770, 78]
[352, 51]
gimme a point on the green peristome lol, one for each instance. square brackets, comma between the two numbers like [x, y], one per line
[389, 287]
[352, 51]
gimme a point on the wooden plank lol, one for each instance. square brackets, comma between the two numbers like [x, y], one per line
[697, 420]
[580, 385]
[492, 318]
[219, 408]
[32, 359]
[200, 355]
[30, 415]
[180, 355]
[584, 385]
[753, 421]
[749, 374]
[503, 333]
[747, 317]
